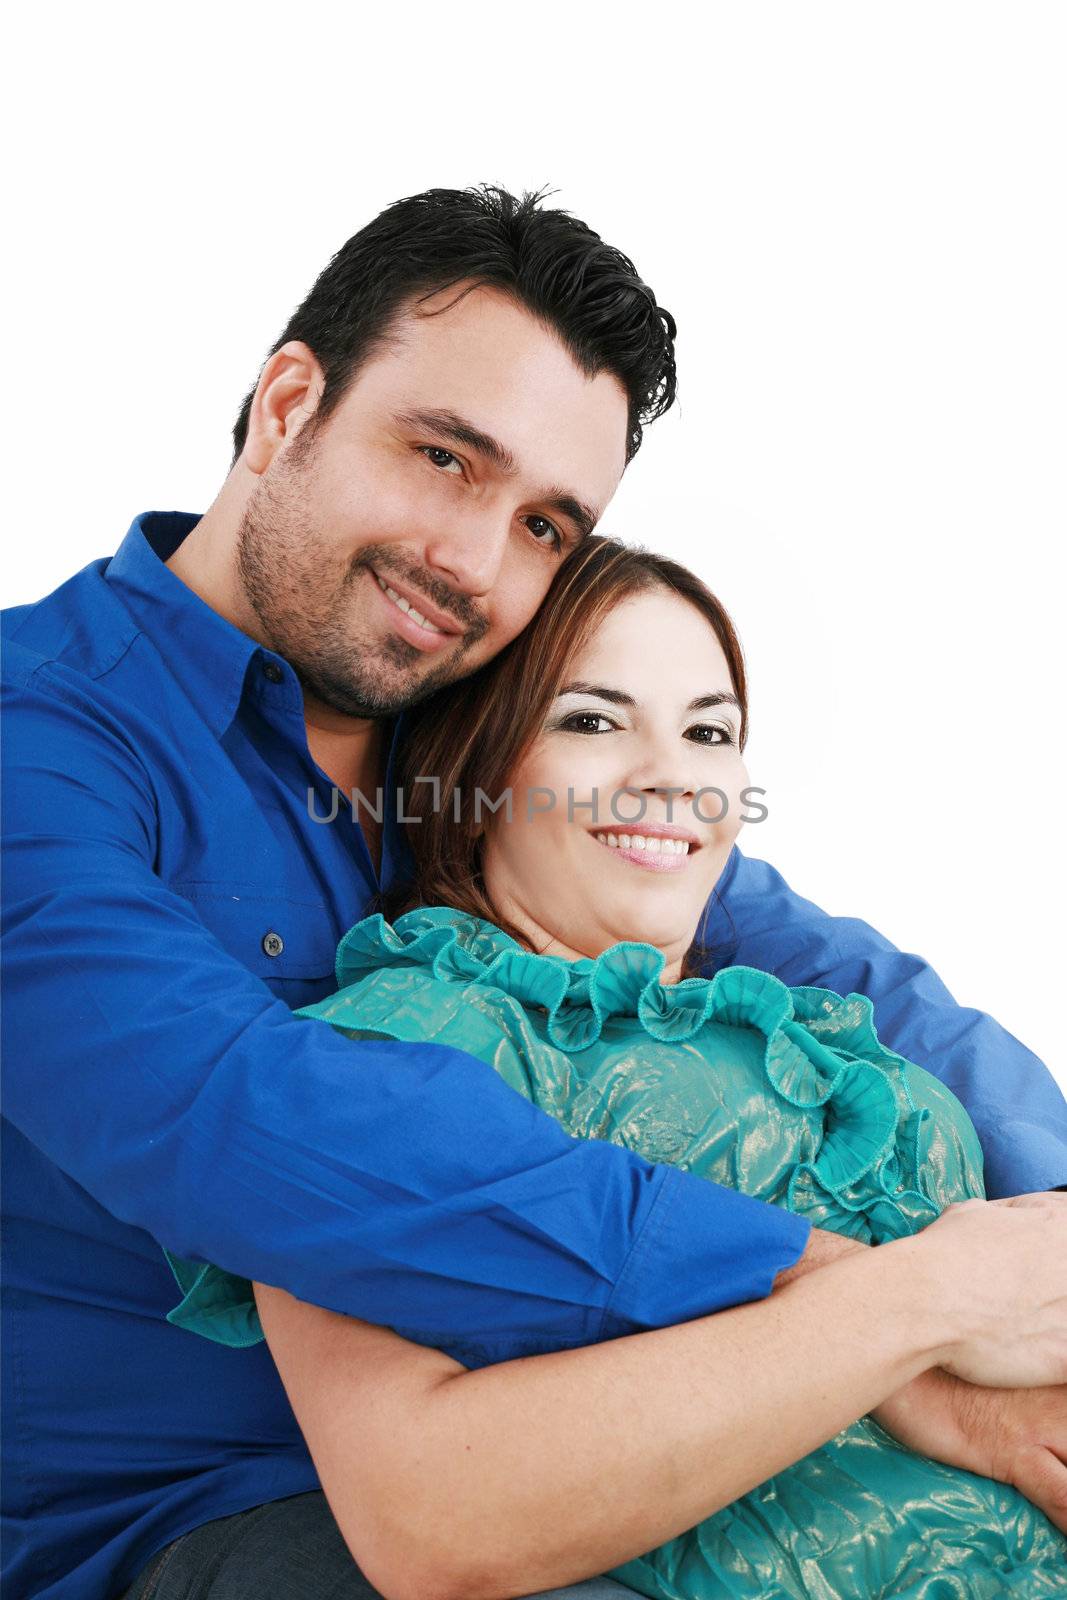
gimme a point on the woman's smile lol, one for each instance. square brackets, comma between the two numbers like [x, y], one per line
[656, 849]
[648, 712]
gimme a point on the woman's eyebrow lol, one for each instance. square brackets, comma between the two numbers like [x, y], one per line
[723, 698]
[617, 698]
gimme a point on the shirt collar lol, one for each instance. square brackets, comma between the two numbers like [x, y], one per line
[208, 655]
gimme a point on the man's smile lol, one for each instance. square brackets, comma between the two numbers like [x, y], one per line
[422, 624]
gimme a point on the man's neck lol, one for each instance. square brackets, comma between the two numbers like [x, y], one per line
[204, 561]
[351, 752]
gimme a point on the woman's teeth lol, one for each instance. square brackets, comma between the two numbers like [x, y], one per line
[405, 605]
[644, 841]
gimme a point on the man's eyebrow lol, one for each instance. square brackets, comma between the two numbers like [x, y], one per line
[584, 517]
[616, 697]
[458, 430]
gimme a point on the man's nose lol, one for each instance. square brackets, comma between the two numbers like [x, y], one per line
[469, 551]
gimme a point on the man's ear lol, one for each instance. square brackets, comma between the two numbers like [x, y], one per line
[286, 398]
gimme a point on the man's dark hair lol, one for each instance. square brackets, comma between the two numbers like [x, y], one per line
[549, 261]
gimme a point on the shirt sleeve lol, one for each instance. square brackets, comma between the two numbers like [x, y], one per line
[1014, 1102]
[407, 1185]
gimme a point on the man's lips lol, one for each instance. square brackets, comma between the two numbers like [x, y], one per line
[403, 602]
[439, 620]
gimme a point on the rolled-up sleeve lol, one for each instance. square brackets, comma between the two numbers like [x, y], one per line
[407, 1185]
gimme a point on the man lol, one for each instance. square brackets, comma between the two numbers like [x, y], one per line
[449, 411]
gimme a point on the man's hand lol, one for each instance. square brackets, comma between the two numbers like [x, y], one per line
[1017, 1436]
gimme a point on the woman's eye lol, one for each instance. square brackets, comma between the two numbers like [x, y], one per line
[709, 733]
[434, 453]
[578, 722]
[539, 526]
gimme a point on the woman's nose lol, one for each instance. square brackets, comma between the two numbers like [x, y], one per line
[665, 778]
[663, 760]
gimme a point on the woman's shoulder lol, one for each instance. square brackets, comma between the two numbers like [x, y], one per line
[421, 937]
[810, 1057]
[815, 1040]
[580, 996]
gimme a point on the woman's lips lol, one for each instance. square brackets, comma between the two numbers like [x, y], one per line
[656, 852]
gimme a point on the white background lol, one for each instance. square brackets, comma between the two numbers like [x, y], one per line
[856, 213]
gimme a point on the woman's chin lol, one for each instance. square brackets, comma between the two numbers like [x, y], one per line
[637, 926]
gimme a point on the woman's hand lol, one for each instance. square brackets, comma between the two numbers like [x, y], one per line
[998, 1268]
[1017, 1436]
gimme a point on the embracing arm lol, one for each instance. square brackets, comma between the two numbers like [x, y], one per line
[1017, 1436]
[162, 1075]
[456, 1485]
[1013, 1100]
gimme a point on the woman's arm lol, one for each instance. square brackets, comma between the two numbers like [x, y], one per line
[457, 1485]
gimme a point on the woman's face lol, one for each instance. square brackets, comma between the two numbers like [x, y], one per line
[648, 725]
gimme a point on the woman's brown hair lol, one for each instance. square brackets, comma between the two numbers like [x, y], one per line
[472, 734]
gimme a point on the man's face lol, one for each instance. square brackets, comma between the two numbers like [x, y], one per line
[466, 459]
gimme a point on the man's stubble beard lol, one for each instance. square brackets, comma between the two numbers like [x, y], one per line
[299, 596]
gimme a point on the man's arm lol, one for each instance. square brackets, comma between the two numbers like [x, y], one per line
[406, 1185]
[534, 1474]
[1014, 1102]
[450, 1485]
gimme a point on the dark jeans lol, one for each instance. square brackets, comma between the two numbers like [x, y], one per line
[287, 1550]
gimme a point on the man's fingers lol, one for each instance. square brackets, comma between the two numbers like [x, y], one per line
[1042, 1478]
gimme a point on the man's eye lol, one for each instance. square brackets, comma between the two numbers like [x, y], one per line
[434, 453]
[571, 724]
[539, 526]
[709, 733]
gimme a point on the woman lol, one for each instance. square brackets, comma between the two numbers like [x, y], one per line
[557, 943]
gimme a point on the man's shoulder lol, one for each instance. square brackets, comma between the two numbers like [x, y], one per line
[74, 689]
[762, 922]
[79, 631]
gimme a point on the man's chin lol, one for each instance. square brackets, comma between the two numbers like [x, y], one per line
[408, 683]
[386, 695]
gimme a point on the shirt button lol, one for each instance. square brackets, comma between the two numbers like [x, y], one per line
[273, 943]
[272, 672]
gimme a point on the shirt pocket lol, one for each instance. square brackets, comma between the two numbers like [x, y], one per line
[290, 942]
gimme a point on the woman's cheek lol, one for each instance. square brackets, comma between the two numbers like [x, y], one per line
[534, 789]
[581, 785]
[736, 817]
[724, 803]
[736, 787]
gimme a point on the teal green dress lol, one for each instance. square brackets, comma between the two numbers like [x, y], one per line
[785, 1094]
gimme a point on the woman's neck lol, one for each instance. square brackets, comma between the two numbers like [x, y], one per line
[546, 943]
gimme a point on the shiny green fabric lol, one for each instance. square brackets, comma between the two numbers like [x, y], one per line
[785, 1094]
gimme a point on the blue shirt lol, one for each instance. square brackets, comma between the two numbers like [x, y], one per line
[168, 900]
